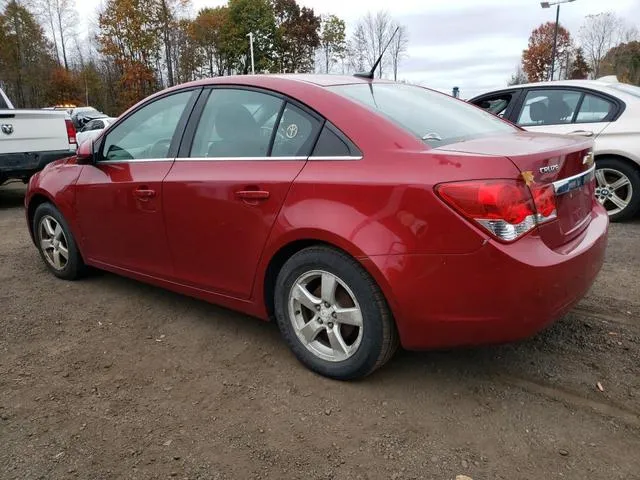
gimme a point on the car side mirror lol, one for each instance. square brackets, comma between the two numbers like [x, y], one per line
[84, 155]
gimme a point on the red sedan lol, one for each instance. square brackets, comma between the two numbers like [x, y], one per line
[359, 214]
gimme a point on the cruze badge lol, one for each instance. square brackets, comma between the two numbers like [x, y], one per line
[550, 168]
[7, 128]
[588, 159]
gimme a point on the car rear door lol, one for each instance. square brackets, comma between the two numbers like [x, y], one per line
[242, 150]
[565, 110]
[119, 198]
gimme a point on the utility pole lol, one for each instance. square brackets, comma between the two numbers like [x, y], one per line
[555, 33]
[250, 35]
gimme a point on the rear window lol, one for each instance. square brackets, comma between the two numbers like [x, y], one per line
[433, 117]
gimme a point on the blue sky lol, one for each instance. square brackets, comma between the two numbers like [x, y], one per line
[474, 45]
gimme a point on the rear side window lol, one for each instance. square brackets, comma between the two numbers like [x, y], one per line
[236, 123]
[436, 118]
[593, 109]
[331, 143]
[549, 107]
[296, 133]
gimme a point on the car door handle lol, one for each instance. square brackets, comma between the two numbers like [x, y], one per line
[584, 133]
[144, 193]
[252, 196]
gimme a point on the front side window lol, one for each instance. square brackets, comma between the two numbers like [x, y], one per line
[433, 117]
[147, 133]
[496, 105]
[236, 123]
[548, 107]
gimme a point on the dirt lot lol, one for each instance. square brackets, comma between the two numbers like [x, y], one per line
[109, 378]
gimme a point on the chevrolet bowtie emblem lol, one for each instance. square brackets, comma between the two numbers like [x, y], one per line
[527, 176]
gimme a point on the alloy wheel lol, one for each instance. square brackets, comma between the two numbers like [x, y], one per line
[325, 315]
[53, 242]
[613, 190]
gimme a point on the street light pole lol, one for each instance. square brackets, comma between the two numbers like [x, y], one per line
[250, 35]
[555, 33]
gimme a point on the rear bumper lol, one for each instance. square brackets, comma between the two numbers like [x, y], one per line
[497, 294]
[23, 165]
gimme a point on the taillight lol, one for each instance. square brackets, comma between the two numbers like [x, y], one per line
[71, 131]
[506, 208]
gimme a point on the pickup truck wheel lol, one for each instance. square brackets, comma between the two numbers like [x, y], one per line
[56, 244]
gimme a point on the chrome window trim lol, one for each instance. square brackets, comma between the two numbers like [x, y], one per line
[576, 181]
[236, 159]
[337, 157]
[134, 160]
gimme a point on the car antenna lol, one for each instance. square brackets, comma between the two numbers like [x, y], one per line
[370, 73]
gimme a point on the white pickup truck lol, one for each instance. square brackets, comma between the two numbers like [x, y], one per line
[30, 139]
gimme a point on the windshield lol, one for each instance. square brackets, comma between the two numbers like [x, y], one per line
[626, 88]
[433, 117]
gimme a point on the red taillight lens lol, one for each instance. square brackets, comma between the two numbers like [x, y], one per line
[71, 131]
[506, 208]
[544, 198]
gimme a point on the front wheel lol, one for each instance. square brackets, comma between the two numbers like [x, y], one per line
[618, 188]
[56, 244]
[333, 315]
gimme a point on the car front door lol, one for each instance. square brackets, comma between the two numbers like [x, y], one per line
[242, 149]
[565, 111]
[119, 197]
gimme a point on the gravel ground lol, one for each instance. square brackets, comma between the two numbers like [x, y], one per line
[108, 378]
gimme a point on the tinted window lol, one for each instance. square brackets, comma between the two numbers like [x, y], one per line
[548, 107]
[3, 104]
[148, 132]
[425, 113]
[236, 123]
[296, 134]
[496, 105]
[593, 109]
[330, 144]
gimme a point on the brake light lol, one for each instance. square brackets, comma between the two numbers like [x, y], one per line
[505, 208]
[71, 132]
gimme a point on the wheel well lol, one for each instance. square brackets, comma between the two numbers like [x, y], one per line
[34, 203]
[620, 158]
[278, 261]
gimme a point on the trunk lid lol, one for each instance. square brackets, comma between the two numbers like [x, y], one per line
[33, 131]
[542, 159]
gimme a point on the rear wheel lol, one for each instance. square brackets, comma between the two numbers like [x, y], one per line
[618, 188]
[333, 315]
[56, 244]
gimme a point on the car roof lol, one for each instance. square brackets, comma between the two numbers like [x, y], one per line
[282, 80]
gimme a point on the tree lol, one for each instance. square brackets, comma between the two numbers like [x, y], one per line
[375, 33]
[398, 48]
[61, 18]
[519, 77]
[624, 62]
[212, 33]
[25, 56]
[129, 36]
[167, 12]
[257, 17]
[332, 40]
[598, 34]
[63, 87]
[579, 69]
[296, 36]
[536, 59]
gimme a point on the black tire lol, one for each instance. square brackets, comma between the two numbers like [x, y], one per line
[632, 209]
[74, 266]
[379, 337]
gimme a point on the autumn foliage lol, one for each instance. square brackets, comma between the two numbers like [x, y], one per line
[536, 59]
